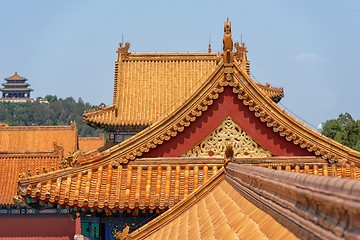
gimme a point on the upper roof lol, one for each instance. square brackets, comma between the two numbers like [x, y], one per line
[259, 105]
[149, 85]
[17, 139]
[15, 77]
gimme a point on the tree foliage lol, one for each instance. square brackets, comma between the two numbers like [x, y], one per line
[344, 130]
[56, 112]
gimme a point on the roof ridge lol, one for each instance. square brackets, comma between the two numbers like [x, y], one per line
[251, 95]
[5, 154]
[31, 128]
[16, 76]
[289, 127]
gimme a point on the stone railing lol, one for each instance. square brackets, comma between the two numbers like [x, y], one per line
[312, 207]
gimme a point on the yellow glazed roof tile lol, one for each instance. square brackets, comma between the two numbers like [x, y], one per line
[87, 144]
[126, 187]
[216, 211]
[16, 139]
[13, 164]
[15, 77]
[149, 85]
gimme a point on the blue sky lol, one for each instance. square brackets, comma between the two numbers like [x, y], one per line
[68, 48]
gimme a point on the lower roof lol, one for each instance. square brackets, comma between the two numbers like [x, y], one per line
[20, 139]
[87, 144]
[141, 185]
[219, 212]
[11, 165]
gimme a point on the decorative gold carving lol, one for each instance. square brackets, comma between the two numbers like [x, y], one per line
[123, 51]
[241, 56]
[71, 161]
[58, 149]
[122, 235]
[19, 200]
[228, 132]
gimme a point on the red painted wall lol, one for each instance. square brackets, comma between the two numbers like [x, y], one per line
[37, 226]
[227, 104]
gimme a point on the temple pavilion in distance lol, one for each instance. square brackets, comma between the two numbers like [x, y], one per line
[16, 89]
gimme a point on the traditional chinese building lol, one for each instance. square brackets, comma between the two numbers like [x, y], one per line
[201, 151]
[16, 89]
[36, 149]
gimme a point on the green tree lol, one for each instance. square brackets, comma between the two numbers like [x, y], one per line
[51, 98]
[56, 112]
[344, 130]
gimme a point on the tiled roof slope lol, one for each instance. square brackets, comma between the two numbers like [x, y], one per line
[216, 211]
[15, 89]
[11, 165]
[15, 77]
[90, 143]
[147, 86]
[141, 184]
[16, 139]
[245, 89]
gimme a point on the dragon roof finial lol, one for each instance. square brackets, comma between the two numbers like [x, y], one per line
[228, 43]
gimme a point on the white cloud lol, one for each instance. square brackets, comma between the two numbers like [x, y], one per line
[305, 57]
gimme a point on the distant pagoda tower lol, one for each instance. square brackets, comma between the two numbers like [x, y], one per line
[16, 89]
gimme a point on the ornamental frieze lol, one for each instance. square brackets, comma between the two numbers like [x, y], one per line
[228, 132]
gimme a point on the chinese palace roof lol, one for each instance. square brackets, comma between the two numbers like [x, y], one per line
[87, 144]
[15, 77]
[199, 217]
[225, 145]
[35, 150]
[139, 185]
[149, 85]
[12, 164]
[16, 139]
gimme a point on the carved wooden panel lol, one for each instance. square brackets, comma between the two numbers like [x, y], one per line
[228, 132]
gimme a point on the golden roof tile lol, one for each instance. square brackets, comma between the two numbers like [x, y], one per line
[258, 103]
[140, 185]
[15, 89]
[253, 97]
[15, 139]
[149, 85]
[214, 211]
[15, 77]
[12, 165]
[87, 144]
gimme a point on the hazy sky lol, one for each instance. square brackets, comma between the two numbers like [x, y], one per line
[68, 48]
